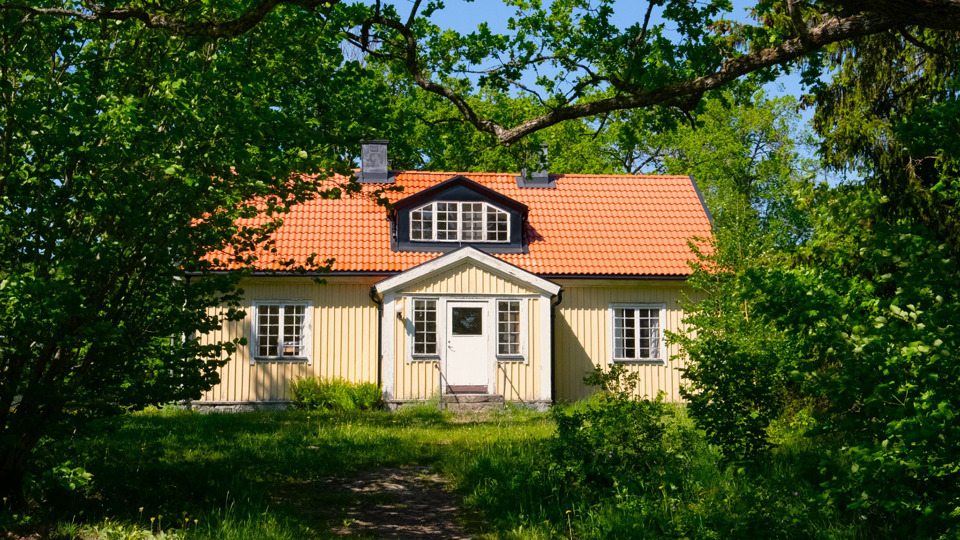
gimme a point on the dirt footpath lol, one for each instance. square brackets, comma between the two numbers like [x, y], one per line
[405, 502]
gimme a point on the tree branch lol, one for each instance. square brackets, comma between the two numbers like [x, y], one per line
[213, 29]
[868, 17]
[831, 31]
[799, 25]
[412, 63]
[914, 40]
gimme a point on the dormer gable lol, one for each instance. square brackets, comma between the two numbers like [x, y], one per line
[455, 213]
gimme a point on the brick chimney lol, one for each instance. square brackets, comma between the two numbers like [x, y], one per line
[373, 163]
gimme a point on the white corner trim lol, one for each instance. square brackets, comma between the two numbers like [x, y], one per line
[387, 346]
[478, 258]
[545, 348]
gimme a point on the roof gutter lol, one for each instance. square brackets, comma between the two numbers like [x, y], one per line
[361, 273]
[333, 273]
[379, 303]
[620, 277]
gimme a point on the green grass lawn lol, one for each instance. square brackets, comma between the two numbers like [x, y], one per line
[255, 475]
[238, 475]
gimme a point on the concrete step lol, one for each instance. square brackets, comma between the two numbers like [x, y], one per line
[474, 407]
[472, 398]
[472, 402]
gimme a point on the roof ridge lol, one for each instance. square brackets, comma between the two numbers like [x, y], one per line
[579, 175]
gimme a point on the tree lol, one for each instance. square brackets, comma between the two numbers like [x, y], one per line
[859, 315]
[600, 67]
[127, 157]
[870, 306]
[747, 163]
[891, 114]
[423, 138]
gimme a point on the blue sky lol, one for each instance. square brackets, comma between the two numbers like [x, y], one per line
[464, 17]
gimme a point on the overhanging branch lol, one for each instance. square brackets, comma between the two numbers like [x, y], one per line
[213, 29]
[867, 17]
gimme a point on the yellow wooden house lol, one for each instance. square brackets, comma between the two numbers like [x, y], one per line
[471, 284]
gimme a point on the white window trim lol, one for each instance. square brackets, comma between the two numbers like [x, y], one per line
[412, 333]
[307, 356]
[459, 204]
[662, 352]
[522, 356]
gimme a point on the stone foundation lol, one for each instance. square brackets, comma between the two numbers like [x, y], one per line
[239, 406]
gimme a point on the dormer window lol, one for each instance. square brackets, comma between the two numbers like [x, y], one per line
[455, 213]
[459, 221]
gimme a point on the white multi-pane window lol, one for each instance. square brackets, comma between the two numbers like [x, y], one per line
[637, 333]
[498, 225]
[281, 331]
[424, 327]
[471, 216]
[421, 223]
[459, 222]
[446, 220]
[508, 328]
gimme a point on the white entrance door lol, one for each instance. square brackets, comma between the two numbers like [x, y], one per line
[468, 331]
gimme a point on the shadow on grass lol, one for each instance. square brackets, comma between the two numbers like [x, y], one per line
[225, 469]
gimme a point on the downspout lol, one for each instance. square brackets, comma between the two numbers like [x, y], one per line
[553, 346]
[379, 303]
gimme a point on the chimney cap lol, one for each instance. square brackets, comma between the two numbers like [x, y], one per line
[539, 178]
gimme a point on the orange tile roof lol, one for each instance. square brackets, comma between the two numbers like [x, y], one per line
[589, 225]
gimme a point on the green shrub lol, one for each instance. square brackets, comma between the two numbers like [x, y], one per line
[368, 396]
[613, 439]
[875, 299]
[334, 395]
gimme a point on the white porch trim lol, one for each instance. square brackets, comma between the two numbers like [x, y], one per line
[546, 348]
[478, 258]
[387, 352]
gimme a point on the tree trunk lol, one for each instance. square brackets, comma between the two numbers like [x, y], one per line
[18, 438]
[12, 467]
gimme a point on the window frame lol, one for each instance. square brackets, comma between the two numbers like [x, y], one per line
[485, 209]
[306, 330]
[414, 355]
[521, 355]
[661, 358]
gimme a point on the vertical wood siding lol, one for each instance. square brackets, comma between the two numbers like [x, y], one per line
[344, 338]
[413, 380]
[519, 381]
[583, 334]
[465, 279]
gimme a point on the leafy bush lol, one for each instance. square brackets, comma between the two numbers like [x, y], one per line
[876, 300]
[368, 396]
[613, 439]
[335, 395]
[736, 373]
[57, 484]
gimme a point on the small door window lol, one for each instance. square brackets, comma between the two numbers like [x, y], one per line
[467, 321]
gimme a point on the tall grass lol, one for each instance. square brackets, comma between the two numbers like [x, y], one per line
[261, 475]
